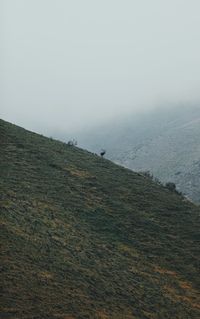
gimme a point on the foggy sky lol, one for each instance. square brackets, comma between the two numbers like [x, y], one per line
[69, 64]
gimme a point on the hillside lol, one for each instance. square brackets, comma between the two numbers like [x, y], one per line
[85, 238]
[164, 142]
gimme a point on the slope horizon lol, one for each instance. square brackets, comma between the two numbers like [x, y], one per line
[164, 142]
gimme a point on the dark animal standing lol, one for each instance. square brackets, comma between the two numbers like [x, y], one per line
[103, 152]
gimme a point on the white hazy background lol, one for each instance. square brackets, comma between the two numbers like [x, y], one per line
[73, 64]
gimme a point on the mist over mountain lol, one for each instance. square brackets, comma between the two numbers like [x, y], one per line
[85, 61]
[94, 227]
[165, 142]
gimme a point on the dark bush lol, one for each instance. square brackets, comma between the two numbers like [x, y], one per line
[171, 186]
[72, 142]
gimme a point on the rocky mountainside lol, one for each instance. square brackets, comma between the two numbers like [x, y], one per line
[166, 143]
[85, 238]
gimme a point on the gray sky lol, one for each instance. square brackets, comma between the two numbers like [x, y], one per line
[68, 64]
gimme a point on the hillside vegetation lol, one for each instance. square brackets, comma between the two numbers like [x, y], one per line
[165, 142]
[84, 238]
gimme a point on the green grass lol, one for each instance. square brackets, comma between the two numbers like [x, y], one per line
[85, 238]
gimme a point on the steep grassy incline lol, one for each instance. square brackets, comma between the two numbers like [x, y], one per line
[85, 238]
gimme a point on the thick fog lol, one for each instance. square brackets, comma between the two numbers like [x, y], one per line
[67, 65]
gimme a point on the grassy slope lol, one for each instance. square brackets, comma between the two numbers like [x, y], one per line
[85, 238]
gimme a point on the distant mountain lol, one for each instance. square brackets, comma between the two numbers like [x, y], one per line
[166, 143]
[82, 237]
